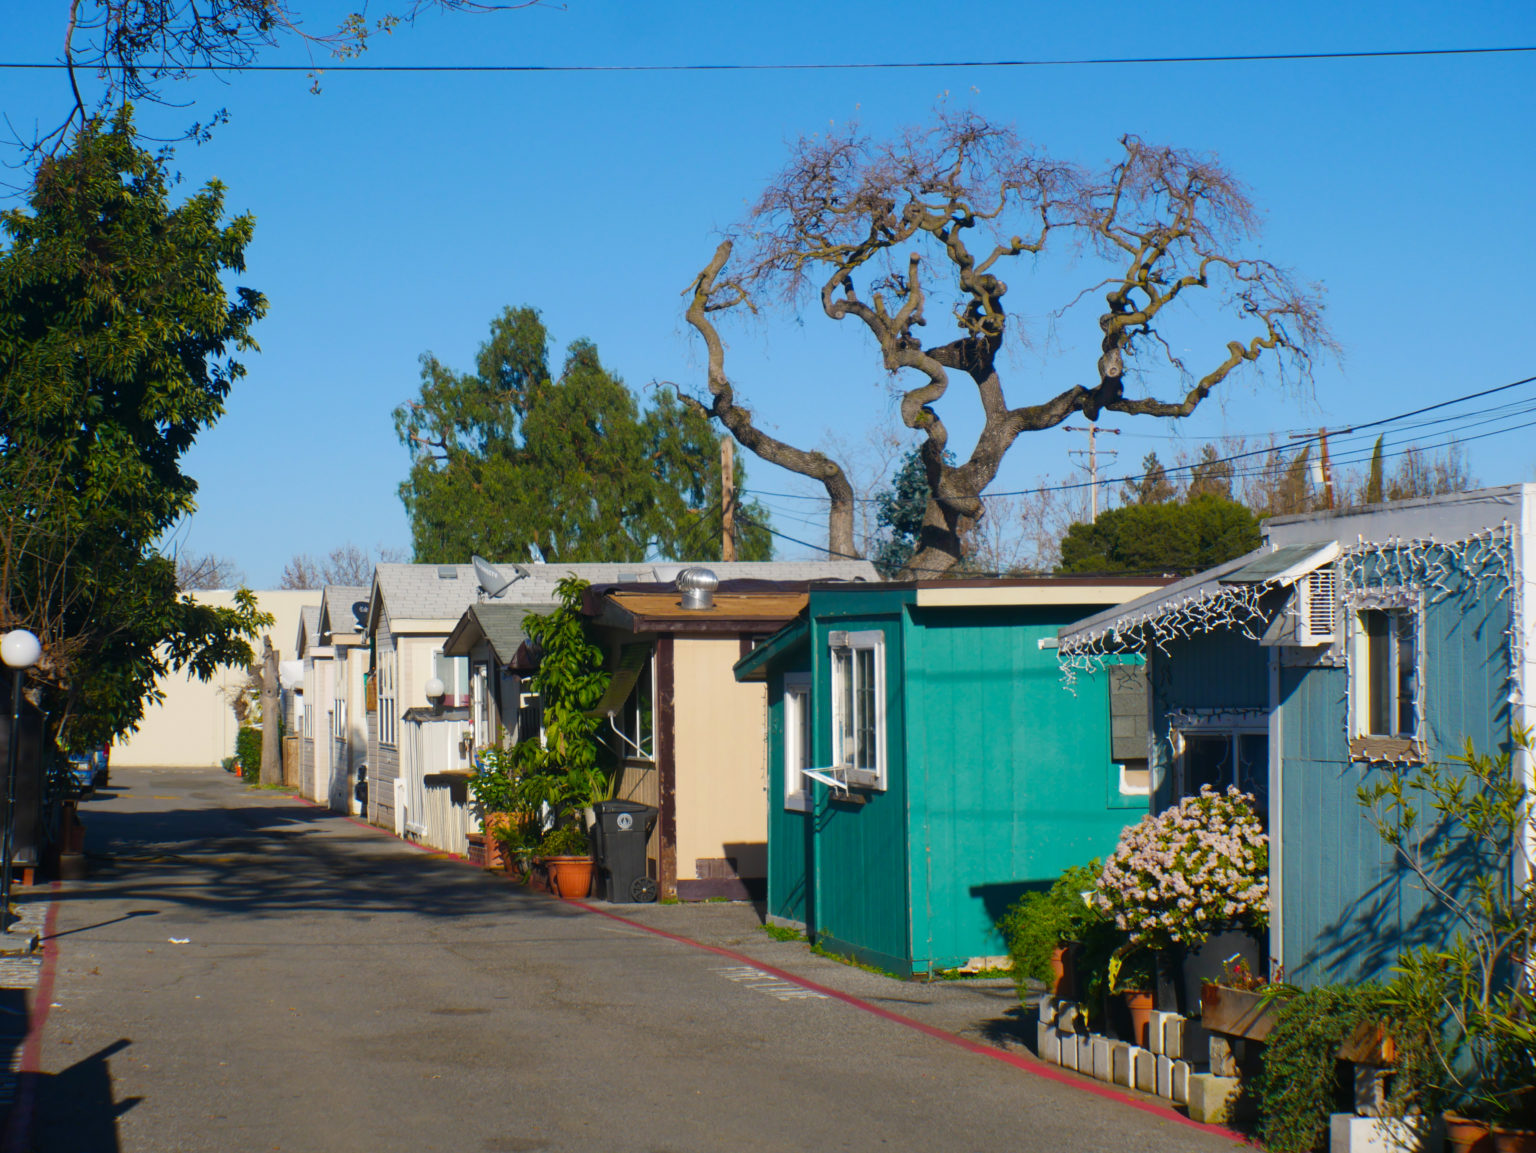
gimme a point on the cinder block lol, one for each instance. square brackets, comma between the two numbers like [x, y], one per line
[1145, 1063]
[1371, 1090]
[1099, 1047]
[1068, 1016]
[1197, 1044]
[1047, 1044]
[1067, 1055]
[1120, 1070]
[1180, 1076]
[1210, 1097]
[1350, 1134]
[1173, 1035]
[1156, 1029]
[1085, 1053]
[1165, 1076]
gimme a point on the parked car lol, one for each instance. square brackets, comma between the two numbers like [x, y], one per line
[82, 773]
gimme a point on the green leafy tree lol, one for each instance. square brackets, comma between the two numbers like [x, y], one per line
[1181, 538]
[116, 343]
[1210, 475]
[899, 514]
[514, 463]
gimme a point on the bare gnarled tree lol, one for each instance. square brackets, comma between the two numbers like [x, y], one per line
[877, 228]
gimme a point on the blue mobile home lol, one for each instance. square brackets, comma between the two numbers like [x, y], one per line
[926, 763]
[1347, 643]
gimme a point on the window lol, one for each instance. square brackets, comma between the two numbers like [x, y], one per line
[1385, 673]
[797, 741]
[858, 707]
[339, 719]
[481, 694]
[1220, 755]
[637, 719]
[389, 721]
[454, 673]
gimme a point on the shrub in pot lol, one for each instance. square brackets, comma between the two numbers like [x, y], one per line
[1040, 927]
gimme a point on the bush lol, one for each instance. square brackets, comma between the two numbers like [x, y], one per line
[1038, 922]
[565, 842]
[248, 751]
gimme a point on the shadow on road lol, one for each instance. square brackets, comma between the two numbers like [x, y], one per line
[75, 1109]
[277, 860]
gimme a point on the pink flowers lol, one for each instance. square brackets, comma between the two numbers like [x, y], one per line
[1179, 875]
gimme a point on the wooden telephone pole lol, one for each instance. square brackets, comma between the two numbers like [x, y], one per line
[727, 499]
[1093, 431]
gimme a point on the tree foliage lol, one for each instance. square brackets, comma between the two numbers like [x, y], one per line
[515, 463]
[1152, 486]
[918, 230]
[899, 514]
[1168, 537]
[116, 349]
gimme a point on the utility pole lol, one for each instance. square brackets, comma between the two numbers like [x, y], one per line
[727, 499]
[1092, 454]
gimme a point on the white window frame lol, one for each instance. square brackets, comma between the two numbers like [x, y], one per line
[844, 647]
[798, 752]
[389, 720]
[1400, 606]
[456, 690]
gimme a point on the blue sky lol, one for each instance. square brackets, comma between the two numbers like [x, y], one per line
[398, 214]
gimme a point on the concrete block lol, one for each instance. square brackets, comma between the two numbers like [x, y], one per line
[1371, 1090]
[1350, 1134]
[1069, 1017]
[1047, 1044]
[1145, 1064]
[1120, 1071]
[1085, 1054]
[1173, 1035]
[1165, 1076]
[1099, 1048]
[1223, 1060]
[1156, 1030]
[1067, 1054]
[1180, 1077]
[1197, 1043]
[1210, 1097]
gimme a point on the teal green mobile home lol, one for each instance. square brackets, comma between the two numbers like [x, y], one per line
[927, 762]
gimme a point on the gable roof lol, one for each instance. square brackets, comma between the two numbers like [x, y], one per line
[309, 629]
[499, 625]
[336, 609]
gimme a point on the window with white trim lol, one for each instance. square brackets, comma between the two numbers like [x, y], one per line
[858, 707]
[1384, 672]
[454, 673]
[389, 719]
[339, 718]
[797, 741]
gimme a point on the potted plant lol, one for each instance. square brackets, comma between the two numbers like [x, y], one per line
[1179, 876]
[566, 853]
[1042, 929]
[1465, 832]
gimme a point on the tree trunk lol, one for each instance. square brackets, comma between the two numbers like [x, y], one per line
[271, 717]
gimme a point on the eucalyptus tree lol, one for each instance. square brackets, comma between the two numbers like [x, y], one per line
[897, 235]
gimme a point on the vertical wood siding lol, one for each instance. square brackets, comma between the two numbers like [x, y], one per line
[787, 848]
[1009, 772]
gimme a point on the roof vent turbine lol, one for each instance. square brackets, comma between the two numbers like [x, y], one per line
[698, 587]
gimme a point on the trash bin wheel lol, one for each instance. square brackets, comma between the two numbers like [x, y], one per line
[642, 890]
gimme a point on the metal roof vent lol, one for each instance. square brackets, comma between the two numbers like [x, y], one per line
[698, 587]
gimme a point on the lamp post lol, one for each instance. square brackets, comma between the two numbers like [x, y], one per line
[20, 650]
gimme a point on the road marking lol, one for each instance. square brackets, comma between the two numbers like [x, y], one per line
[776, 987]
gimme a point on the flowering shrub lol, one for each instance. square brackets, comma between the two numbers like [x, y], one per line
[1180, 875]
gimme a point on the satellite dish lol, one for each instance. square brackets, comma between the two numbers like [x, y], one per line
[493, 579]
[360, 614]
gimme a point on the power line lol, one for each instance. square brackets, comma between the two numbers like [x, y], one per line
[842, 66]
[1302, 443]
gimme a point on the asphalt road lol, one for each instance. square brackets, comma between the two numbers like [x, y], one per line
[242, 972]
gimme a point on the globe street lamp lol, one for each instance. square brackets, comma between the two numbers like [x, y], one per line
[20, 650]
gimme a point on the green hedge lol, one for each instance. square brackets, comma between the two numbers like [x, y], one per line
[248, 749]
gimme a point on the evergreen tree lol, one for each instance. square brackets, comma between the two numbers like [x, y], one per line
[1151, 487]
[1168, 537]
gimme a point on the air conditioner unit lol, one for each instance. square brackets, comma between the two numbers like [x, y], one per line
[1317, 607]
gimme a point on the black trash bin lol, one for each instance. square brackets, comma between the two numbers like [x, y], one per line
[619, 835]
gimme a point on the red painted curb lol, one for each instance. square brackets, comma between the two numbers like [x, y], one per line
[18, 1126]
[1033, 1067]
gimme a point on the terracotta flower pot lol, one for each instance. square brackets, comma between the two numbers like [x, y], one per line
[570, 877]
[1062, 984]
[1514, 1140]
[1465, 1135]
[1140, 1005]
